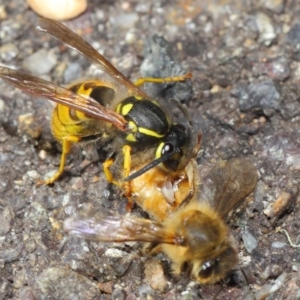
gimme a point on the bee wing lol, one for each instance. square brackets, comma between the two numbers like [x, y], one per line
[227, 184]
[70, 38]
[40, 87]
[118, 229]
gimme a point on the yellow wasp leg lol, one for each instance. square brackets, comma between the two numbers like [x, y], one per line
[125, 186]
[126, 173]
[66, 148]
[127, 160]
[126, 167]
[143, 80]
[109, 176]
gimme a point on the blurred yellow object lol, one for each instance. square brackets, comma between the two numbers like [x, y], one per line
[58, 9]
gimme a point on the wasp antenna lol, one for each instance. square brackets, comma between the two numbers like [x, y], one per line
[184, 111]
[151, 165]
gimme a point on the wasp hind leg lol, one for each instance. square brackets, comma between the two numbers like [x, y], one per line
[66, 148]
[143, 80]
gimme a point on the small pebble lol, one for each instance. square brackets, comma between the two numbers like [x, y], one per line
[8, 52]
[40, 62]
[154, 275]
[58, 9]
[266, 29]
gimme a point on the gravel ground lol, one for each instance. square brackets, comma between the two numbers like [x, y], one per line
[244, 57]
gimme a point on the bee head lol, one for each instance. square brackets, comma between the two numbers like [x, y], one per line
[215, 268]
[208, 252]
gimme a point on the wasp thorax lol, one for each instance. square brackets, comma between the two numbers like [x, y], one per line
[150, 121]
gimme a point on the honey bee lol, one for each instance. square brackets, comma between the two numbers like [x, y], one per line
[114, 110]
[158, 192]
[194, 236]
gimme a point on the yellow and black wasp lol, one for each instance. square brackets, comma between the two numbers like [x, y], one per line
[114, 110]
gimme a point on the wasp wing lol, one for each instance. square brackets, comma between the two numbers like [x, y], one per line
[70, 38]
[40, 87]
[118, 229]
[227, 184]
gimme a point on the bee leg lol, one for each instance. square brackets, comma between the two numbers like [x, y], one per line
[152, 248]
[143, 80]
[126, 172]
[193, 181]
[66, 148]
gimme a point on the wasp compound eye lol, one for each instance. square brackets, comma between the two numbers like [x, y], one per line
[168, 148]
[173, 143]
[171, 163]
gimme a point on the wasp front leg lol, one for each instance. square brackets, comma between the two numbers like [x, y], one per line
[126, 173]
[67, 142]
